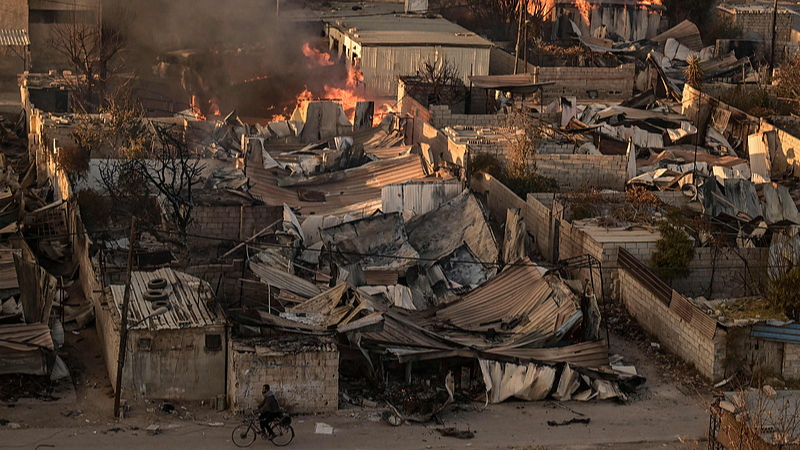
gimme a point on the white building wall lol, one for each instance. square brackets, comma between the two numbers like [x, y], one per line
[383, 65]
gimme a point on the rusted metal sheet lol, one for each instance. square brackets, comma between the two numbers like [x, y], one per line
[645, 276]
[681, 307]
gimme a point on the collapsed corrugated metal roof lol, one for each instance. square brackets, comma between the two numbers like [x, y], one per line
[355, 191]
[441, 231]
[685, 32]
[378, 242]
[24, 348]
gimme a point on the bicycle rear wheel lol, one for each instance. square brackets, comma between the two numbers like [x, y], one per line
[283, 434]
[244, 435]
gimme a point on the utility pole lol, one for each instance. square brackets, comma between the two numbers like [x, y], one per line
[123, 331]
[774, 33]
[519, 37]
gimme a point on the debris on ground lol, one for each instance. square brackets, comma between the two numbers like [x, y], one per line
[584, 421]
[323, 428]
[456, 433]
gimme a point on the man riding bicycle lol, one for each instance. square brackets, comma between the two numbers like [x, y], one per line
[268, 410]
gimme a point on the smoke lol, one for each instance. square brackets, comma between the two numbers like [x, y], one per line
[236, 53]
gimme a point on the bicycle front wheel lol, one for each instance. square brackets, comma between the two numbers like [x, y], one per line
[244, 435]
[283, 434]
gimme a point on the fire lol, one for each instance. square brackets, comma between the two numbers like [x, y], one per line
[584, 8]
[316, 57]
[213, 108]
[195, 106]
[348, 96]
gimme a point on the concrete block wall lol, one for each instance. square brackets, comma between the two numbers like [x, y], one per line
[791, 361]
[606, 82]
[306, 382]
[641, 250]
[576, 171]
[724, 272]
[674, 333]
[230, 222]
[761, 22]
[499, 197]
[538, 221]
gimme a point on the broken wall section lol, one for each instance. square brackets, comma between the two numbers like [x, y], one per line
[305, 378]
[655, 307]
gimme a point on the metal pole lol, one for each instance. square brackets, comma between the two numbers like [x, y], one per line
[774, 32]
[277, 8]
[123, 332]
[519, 37]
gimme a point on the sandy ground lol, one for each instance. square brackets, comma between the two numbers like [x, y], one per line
[661, 415]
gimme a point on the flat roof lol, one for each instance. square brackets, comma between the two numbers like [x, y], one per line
[188, 296]
[406, 30]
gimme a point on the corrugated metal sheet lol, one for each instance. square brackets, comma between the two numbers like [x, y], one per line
[419, 197]
[403, 328]
[759, 158]
[284, 281]
[779, 206]
[645, 276]
[391, 29]
[789, 333]
[357, 193]
[685, 33]
[14, 38]
[382, 66]
[24, 348]
[8, 271]
[681, 307]
[25, 337]
[457, 222]
[520, 302]
[515, 292]
[586, 354]
[189, 298]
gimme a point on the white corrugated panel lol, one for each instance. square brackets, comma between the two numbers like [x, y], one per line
[759, 158]
[419, 197]
[14, 38]
[382, 66]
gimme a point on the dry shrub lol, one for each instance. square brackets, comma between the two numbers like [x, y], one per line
[674, 250]
[784, 293]
[73, 160]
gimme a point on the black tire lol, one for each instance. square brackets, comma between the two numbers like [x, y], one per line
[244, 435]
[283, 434]
[156, 283]
[154, 295]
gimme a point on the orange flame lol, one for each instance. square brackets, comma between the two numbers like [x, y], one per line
[316, 57]
[348, 96]
[213, 107]
[584, 8]
[195, 106]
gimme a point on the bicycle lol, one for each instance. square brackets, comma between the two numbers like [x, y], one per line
[245, 434]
